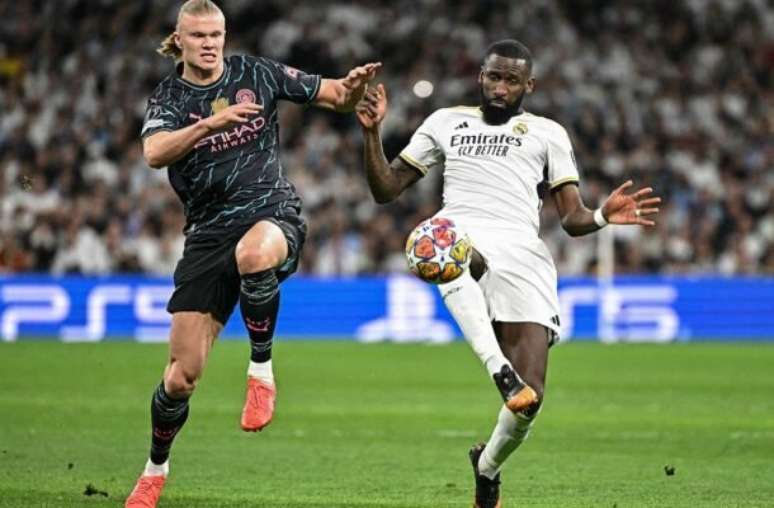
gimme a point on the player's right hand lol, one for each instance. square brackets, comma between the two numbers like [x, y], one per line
[233, 115]
[372, 108]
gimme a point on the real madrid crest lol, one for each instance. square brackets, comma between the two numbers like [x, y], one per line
[520, 128]
[219, 105]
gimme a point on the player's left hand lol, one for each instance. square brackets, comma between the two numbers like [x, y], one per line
[636, 208]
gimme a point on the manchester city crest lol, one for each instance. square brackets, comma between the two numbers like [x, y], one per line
[245, 95]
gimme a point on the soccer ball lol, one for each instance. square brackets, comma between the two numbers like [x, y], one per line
[438, 251]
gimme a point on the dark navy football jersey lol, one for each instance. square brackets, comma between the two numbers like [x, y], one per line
[233, 177]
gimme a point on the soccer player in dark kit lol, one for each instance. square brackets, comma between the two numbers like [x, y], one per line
[213, 124]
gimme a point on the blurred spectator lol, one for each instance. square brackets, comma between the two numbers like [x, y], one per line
[676, 95]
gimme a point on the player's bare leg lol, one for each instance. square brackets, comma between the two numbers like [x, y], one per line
[191, 338]
[526, 346]
[465, 300]
[259, 252]
[522, 386]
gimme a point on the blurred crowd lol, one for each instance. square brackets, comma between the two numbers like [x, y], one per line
[673, 94]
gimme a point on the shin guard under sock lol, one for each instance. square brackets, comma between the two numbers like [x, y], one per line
[167, 418]
[259, 302]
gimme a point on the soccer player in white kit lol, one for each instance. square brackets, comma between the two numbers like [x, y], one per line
[498, 162]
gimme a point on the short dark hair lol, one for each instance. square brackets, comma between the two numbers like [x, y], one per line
[510, 48]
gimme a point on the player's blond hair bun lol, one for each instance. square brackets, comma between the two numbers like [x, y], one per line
[194, 8]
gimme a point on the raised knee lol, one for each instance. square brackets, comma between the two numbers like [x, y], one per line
[253, 259]
[180, 381]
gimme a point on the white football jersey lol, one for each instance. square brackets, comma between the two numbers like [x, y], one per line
[491, 172]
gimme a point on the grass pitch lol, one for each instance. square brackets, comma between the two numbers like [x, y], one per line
[390, 426]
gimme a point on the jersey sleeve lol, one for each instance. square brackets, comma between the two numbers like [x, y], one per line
[160, 115]
[424, 152]
[562, 167]
[289, 83]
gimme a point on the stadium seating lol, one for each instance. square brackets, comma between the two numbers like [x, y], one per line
[670, 94]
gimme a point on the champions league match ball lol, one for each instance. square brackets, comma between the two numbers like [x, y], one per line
[438, 251]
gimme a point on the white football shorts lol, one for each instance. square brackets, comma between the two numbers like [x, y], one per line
[520, 282]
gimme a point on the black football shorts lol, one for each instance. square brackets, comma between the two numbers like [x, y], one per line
[207, 278]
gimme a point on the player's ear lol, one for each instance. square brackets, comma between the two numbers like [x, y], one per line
[177, 40]
[481, 76]
[530, 84]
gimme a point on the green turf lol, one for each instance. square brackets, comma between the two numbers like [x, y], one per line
[390, 426]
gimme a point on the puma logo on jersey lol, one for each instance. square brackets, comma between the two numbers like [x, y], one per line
[463, 125]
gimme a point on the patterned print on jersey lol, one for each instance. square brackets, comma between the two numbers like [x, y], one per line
[234, 176]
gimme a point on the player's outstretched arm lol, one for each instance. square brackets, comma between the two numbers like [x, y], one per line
[341, 95]
[164, 148]
[385, 180]
[620, 208]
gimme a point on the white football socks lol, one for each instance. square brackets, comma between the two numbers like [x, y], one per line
[261, 371]
[511, 430]
[152, 469]
[465, 300]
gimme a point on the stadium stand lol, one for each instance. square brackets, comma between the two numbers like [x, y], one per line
[676, 95]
